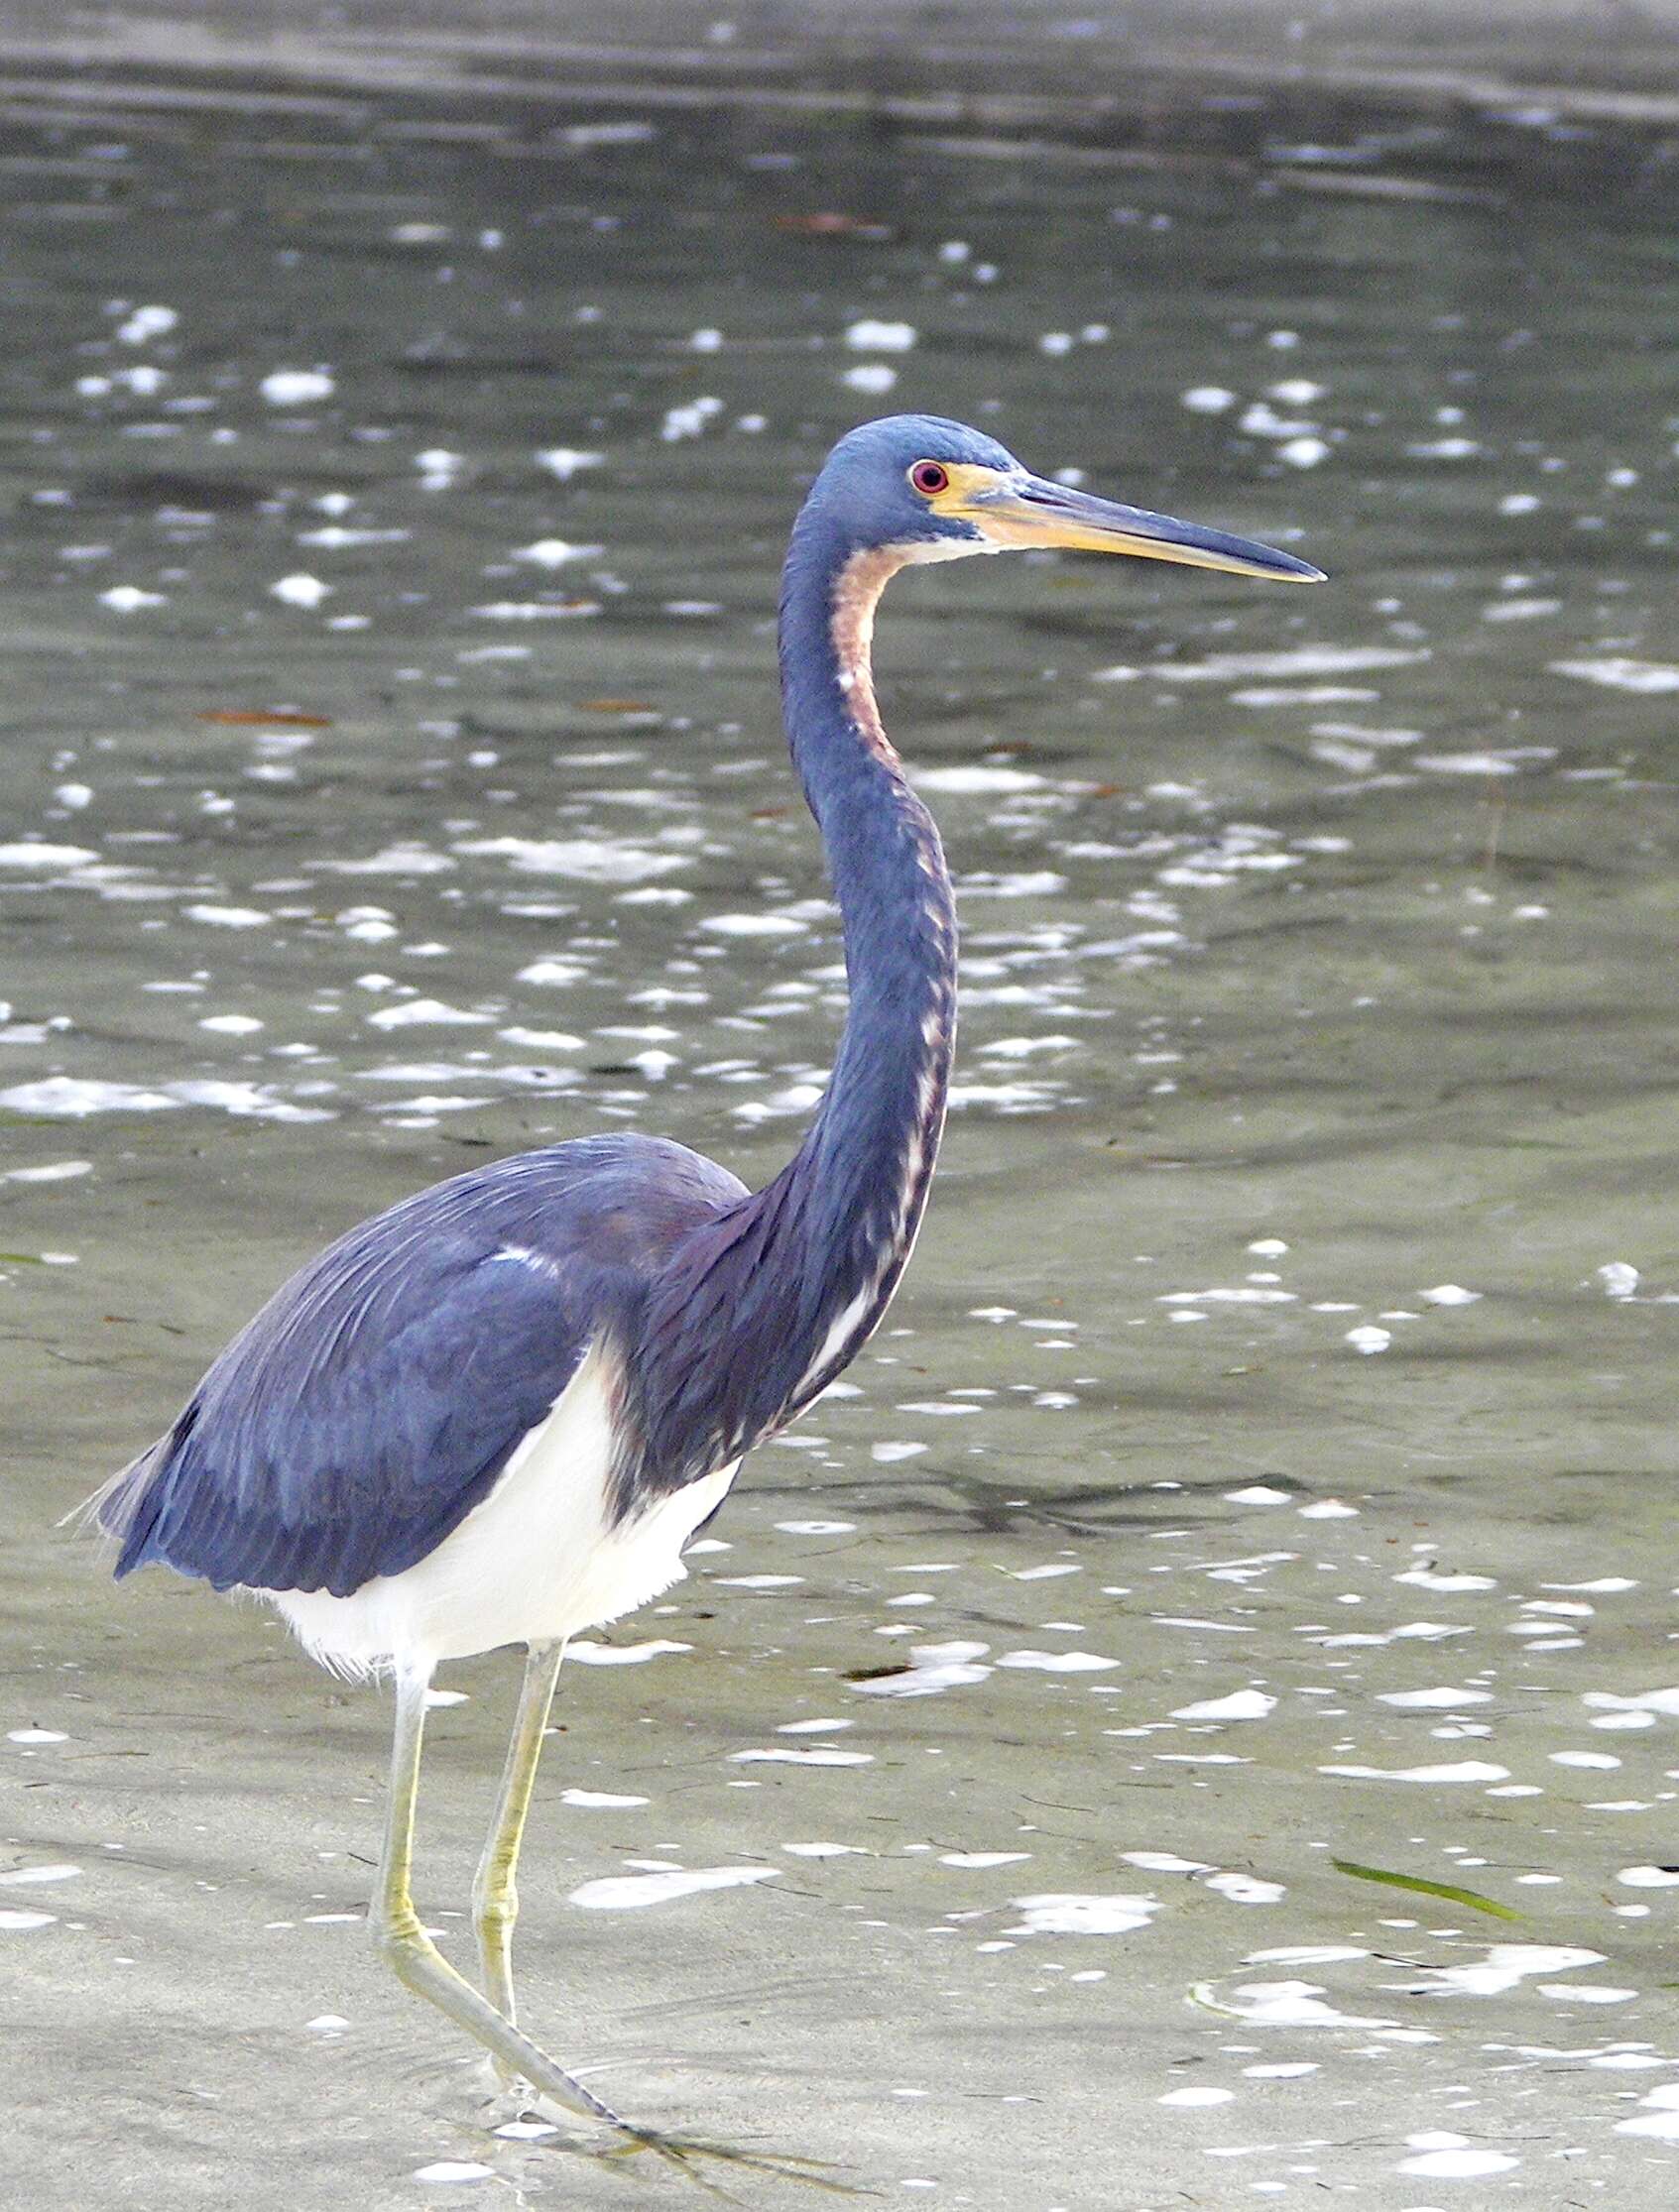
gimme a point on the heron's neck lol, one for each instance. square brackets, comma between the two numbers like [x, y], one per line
[761, 1309]
[866, 1163]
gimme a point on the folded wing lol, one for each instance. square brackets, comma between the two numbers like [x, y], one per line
[375, 1399]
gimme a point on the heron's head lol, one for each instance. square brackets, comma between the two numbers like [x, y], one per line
[931, 490]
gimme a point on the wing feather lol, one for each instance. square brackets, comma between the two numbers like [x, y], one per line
[376, 1397]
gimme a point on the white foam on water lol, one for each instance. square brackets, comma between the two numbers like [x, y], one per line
[1369, 1340]
[537, 610]
[978, 777]
[553, 553]
[1485, 763]
[1504, 1965]
[1077, 1912]
[1659, 2118]
[1445, 1699]
[1620, 674]
[582, 860]
[937, 1666]
[1304, 1954]
[582, 1652]
[424, 1014]
[871, 335]
[1430, 1578]
[295, 388]
[1283, 2004]
[781, 1756]
[629, 1893]
[1640, 1702]
[1463, 1770]
[1241, 1704]
[301, 590]
[33, 853]
[1300, 660]
[227, 918]
[1246, 1889]
[391, 860]
[752, 925]
[142, 324]
[564, 461]
[1450, 2158]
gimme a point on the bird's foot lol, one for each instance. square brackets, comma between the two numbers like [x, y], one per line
[687, 2153]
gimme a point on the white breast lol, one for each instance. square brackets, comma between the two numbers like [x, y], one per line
[535, 1559]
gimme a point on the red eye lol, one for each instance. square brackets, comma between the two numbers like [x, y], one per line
[930, 477]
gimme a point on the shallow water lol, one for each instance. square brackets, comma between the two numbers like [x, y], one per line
[1261, 1467]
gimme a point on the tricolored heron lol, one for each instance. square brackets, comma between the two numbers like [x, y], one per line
[496, 1413]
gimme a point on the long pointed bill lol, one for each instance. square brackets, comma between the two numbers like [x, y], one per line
[1034, 512]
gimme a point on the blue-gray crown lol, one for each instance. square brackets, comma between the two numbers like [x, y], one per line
[864, 492]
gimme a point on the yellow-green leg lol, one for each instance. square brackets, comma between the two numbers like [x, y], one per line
[495, 1893]
[404, 1944]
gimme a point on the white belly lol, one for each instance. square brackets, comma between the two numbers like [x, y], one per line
[535, 1560]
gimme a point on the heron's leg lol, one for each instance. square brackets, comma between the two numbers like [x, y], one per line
[495, 1895]
[404, 1944]
[399, 1939]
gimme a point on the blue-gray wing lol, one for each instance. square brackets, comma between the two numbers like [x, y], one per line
[376, 1397]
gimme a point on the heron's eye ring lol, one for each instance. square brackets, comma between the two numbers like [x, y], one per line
[931, 478]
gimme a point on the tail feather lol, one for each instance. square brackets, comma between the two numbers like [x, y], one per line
[110, 1512]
